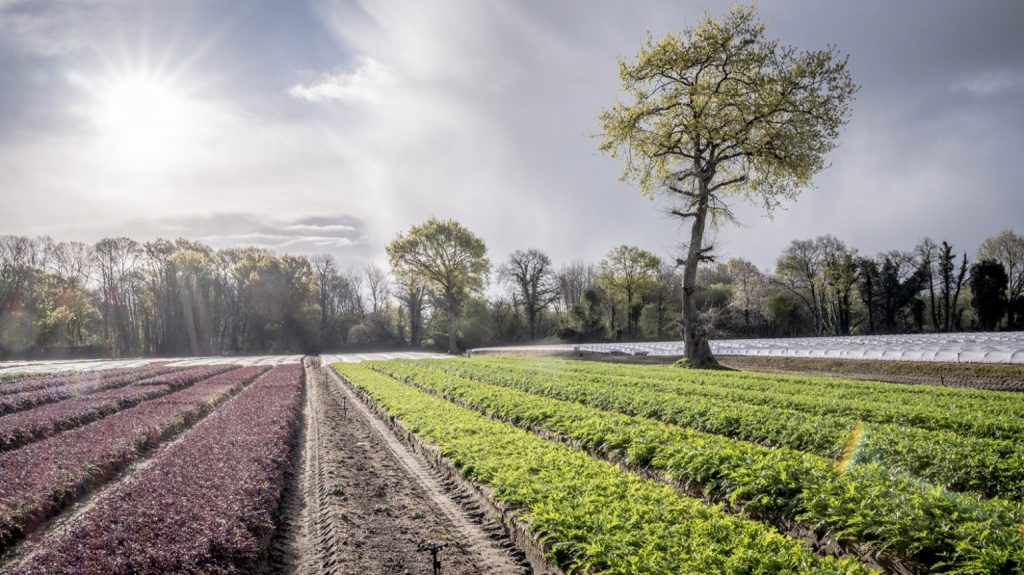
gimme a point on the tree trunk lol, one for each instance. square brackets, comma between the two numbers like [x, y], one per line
[695, 337]
[956, 294]
[931, 295]
[452, 347]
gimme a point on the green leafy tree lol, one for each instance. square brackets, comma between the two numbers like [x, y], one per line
[840, 282]
[988, 293]
[721, 111]
[627, 274]
[899, 282]
[869, 280]
[276, 294]
[1007, 248]
[414, 298]
[783, 314]
[449, 259]
[587, 315]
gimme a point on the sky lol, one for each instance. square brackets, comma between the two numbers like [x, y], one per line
[330, 126]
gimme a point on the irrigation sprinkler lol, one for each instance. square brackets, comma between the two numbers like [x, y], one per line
[434, 549]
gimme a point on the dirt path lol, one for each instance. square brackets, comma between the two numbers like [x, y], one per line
[367, 503]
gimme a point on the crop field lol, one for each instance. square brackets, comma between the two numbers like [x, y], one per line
[502, 465]
[651, 469]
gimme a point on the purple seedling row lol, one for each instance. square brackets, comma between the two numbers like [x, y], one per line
[206, 504]
[40, 479]
[64, 388]
[23, 427]
[33, 383]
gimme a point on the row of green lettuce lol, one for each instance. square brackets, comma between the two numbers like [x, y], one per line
[991, 467]
[591, 516]
[874, 506]
[999, 419]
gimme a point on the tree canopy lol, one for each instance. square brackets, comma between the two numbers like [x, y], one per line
[449, 259]
[626, 274]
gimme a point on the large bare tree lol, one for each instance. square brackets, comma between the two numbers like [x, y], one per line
[531, 275]
[719, 111]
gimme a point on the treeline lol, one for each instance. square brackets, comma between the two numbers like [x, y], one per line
[120, 297]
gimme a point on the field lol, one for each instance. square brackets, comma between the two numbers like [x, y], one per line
[509, 464]
[648, 469]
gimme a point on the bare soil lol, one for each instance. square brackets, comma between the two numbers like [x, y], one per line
[995, 377]
[360, 502]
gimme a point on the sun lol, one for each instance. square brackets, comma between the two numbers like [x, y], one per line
[143, 119]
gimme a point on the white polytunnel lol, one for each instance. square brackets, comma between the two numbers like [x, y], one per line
[1004, 347]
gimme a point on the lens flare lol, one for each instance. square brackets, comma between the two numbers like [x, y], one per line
[851, 447]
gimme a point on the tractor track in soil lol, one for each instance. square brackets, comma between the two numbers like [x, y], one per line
[360, 502]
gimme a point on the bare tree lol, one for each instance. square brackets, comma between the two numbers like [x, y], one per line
[573, 280]
[800, 271]
[749, 291]
[325, 274]
[414, 297]
[927, 252]
[70, 261]
[529, 273]
[377, 283]
[115, 259]
[20, 257]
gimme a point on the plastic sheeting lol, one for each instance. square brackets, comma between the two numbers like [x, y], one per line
[1005, 347]
[95, 364]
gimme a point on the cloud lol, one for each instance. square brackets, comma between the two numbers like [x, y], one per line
[58, 27]
[991, 82]
[363, 83]
[390, 111]
[343, 236]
